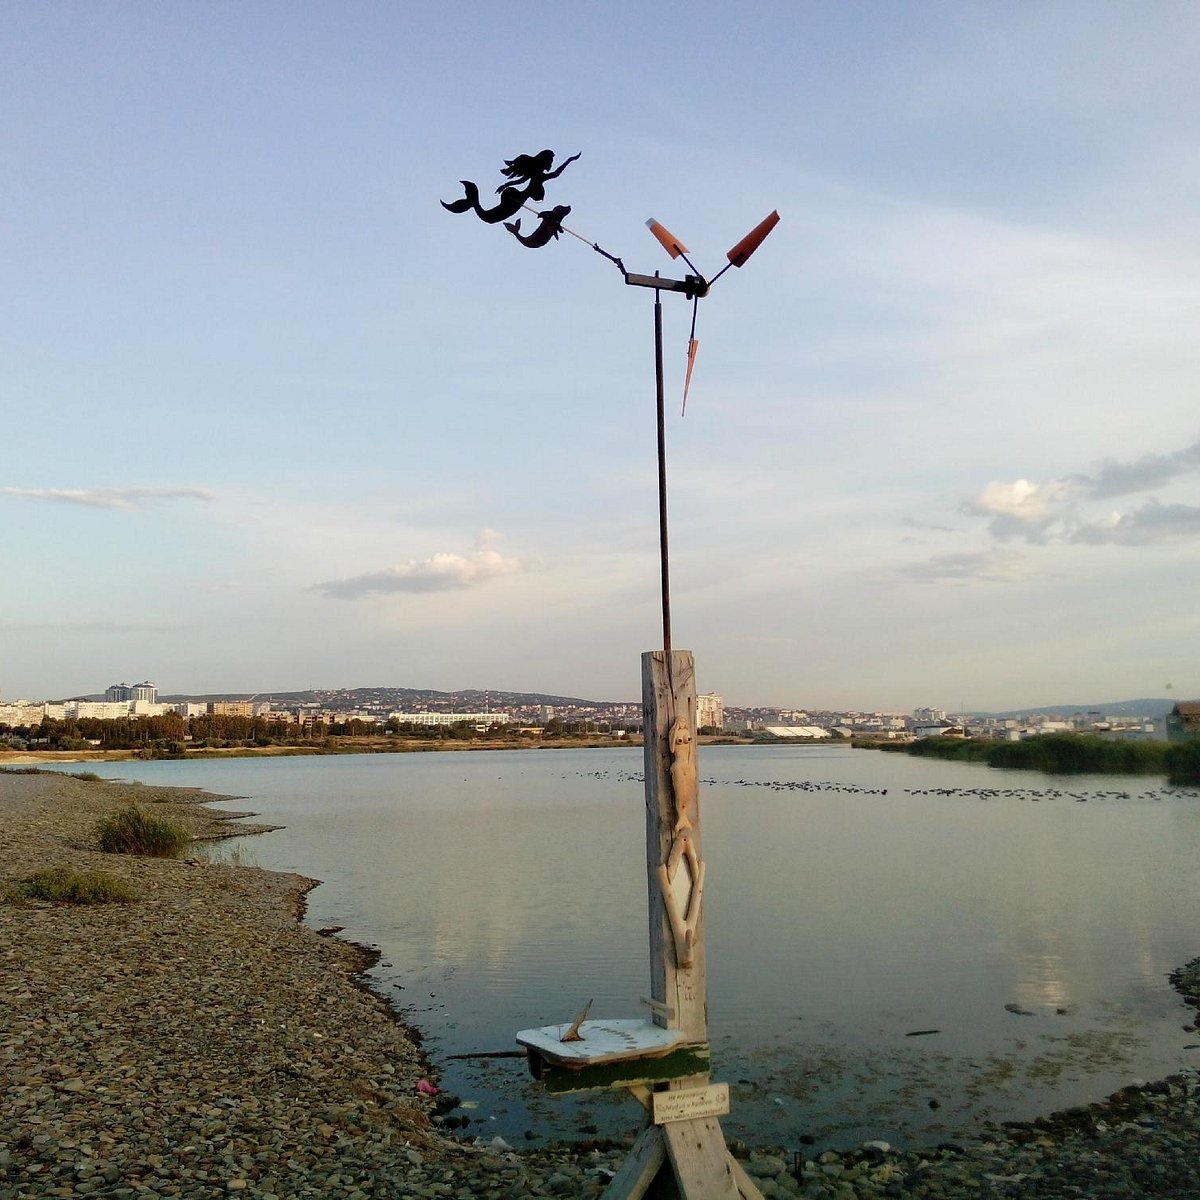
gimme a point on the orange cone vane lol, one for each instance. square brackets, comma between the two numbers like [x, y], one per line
[751, 242]
[670, 243]
[693, 346]
[699, 285]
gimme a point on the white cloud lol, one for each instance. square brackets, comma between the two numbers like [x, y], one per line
[121, 498]
[440, 572]
[989, 566]
[1021, 499]
[1020, 508]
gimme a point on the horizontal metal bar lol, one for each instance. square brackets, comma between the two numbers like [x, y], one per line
[692, 286]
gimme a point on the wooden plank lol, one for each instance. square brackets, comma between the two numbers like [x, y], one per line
[688, 1104]
[700, 1159]
[659, 1010]
[558, 1078]
[746, 1186]
[638, 1171]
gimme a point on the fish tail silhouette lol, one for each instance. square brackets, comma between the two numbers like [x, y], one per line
[468, 202]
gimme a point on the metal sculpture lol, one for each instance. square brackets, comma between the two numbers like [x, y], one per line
[527, 176]
[662, 1062]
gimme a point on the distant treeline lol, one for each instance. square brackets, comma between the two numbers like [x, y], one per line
[171, 735]
[1068, 754]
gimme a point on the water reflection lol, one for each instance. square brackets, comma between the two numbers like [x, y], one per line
[855, 901]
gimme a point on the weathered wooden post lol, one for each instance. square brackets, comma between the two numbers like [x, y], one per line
[685, 1135]
[664, 1060]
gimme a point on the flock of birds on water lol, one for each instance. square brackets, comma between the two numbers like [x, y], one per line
[979, 793]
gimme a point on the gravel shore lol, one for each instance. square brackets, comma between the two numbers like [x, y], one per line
[201, 1042]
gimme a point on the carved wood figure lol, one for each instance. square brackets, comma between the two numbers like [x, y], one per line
[684, 780]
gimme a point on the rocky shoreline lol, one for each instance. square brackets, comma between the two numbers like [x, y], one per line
[202, 1042]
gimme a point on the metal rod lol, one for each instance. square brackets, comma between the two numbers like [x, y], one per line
[662, 477]
[719, 273]
[579, 236]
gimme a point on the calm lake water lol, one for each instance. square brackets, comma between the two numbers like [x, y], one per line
[853, 898]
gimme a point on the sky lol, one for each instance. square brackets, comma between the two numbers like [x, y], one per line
[272, 418]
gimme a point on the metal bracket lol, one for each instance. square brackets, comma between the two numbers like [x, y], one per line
[691, 286]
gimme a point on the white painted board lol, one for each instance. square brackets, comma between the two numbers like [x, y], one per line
[601, 1041]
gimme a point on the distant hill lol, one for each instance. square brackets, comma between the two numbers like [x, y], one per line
[1115, 708]
[476, 699]
[467, 700]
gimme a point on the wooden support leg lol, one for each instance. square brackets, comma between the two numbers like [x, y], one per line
[639, 1169]
[695, 1154]
[700, 1160]
[746, 1186]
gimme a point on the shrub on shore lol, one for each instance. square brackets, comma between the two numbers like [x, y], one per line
[1183, 763]
[62, 886]
[132, 830]
[1077, 753]
[1059, 754]
[956, 748]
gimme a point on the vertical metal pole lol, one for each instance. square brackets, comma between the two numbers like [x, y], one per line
[662, 476]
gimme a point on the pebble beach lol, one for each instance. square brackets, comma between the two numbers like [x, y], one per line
[201, 1041]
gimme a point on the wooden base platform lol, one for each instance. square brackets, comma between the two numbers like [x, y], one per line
[611, 1054]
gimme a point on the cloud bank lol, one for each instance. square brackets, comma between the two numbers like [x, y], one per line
[1152, 470]
[441, 572]
[1062, 510]
[120, 498]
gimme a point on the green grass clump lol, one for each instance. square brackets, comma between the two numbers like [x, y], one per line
[132, 830]
[62, 886]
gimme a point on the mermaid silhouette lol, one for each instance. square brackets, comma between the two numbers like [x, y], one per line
[527, 175]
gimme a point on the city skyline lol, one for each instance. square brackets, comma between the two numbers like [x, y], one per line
[415, 699]
[271, 415]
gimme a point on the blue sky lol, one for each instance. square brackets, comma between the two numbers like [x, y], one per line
[270, 418]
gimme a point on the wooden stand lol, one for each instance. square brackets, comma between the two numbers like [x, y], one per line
[663, 1062]
[690, 1149]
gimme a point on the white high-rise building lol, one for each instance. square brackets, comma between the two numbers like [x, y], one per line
[710, 711]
